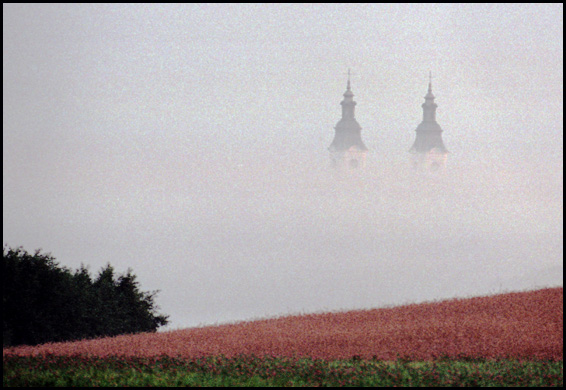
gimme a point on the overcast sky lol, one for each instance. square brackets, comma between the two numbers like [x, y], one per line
[189, 143]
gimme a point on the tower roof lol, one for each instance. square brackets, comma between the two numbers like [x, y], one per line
[348, 130]
[348, 93]
[429, 132]
[429, 94]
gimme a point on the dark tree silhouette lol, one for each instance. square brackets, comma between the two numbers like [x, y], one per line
[44, 302]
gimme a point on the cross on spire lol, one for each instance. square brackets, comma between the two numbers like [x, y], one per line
[349, 74]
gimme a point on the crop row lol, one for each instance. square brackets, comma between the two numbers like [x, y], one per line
[271, 371]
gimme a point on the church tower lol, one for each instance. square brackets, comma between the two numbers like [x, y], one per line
[428, 151]
[347, 150]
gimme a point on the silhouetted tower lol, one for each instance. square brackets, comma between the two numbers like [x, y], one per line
[347, 150]
[428, 151]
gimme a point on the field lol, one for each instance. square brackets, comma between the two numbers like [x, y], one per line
[512, 339]
[271, 371]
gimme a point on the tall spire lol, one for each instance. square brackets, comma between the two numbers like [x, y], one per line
[429, 106]
[429, 132]
[347, 145]
[348, 95]
[348, 104]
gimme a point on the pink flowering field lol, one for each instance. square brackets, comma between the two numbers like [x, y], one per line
[519, 325]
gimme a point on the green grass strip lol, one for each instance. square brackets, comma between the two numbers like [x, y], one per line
[251, 371]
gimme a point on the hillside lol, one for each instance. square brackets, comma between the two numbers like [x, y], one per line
[519, 325]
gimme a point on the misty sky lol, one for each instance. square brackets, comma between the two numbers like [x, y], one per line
[189, 143]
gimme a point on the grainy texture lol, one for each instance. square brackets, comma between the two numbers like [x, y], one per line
[521, 325]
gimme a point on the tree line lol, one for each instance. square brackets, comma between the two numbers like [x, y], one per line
[44, 302]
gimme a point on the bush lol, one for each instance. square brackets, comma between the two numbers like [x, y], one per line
[43, 302]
